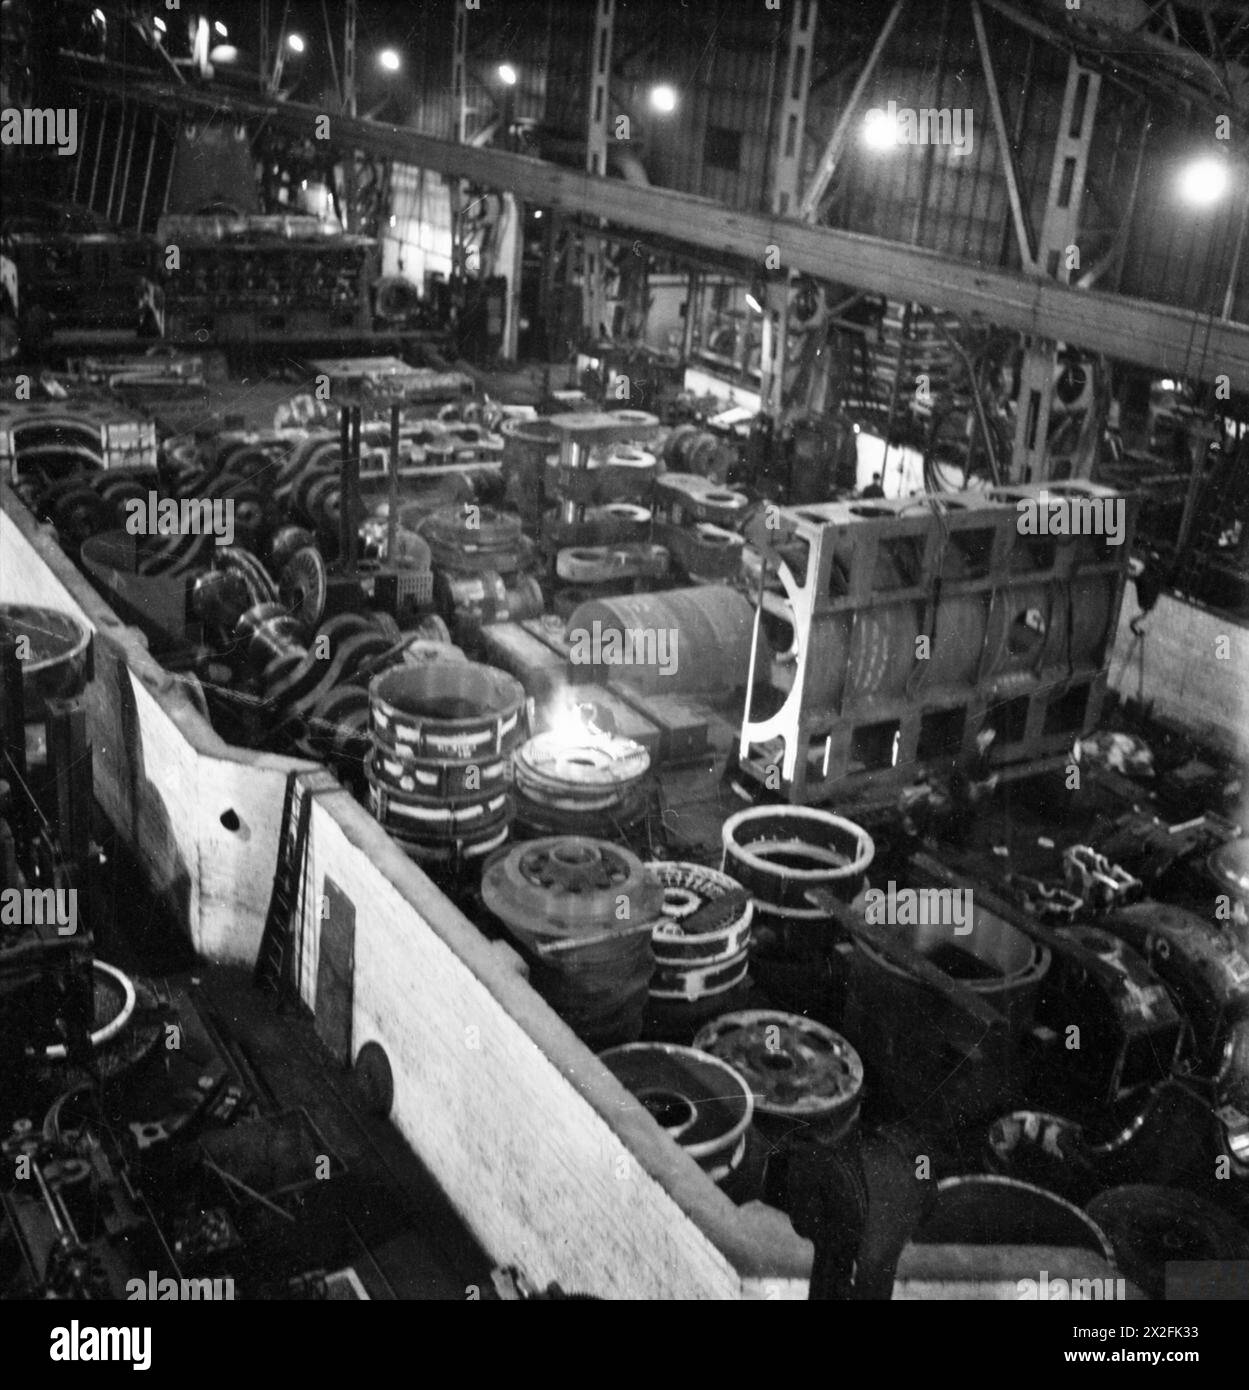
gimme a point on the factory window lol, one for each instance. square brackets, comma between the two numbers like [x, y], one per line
[722, 148]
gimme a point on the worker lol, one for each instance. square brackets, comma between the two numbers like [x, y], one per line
[874, 489]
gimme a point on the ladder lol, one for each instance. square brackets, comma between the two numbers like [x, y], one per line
[274, 972]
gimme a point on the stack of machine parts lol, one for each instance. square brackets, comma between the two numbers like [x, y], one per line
[807, 1081]
[916, 623]
[701, 945]
[699, 523]
[583, 912]
[92, 428]
[254, 276]
[596, 492]
[443, 733]
[479, 555]
[780, 854]
[592, 784]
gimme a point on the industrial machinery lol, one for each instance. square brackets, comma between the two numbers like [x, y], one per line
[912, 626]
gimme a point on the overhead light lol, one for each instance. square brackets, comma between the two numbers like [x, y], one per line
[224, 53]
[1204, 181]
[753, 303]
[389, 60]
[295, 43]
[537, 212]
[221, 29]
[98, 16]
[663, 98]
[158, 24]
[507, 74]
[880, 130]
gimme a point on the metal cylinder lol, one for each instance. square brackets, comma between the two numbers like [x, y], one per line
[702, 941]
[447, 710]
[699, 1100]
[582, 910]
[802, 1074]
[995, 960]
[780, 853]
[674, 641]
[54, 651]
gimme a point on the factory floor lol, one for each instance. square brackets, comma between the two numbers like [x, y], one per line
[384, 1215]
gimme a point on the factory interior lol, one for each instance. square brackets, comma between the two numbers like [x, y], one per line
[624, 651]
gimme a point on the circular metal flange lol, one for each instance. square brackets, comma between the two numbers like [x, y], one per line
[445, 709]
[699, 1100]
[258, 580]
[594, 771]
[795, 1067]
[303, 586]
[569, 886]
[690, 889]
[780, 853]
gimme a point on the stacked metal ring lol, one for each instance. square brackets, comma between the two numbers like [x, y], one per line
[442, 735]
[590, 784]
[583, 911]
[701, 944]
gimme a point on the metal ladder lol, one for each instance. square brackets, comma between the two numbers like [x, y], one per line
[274, 971]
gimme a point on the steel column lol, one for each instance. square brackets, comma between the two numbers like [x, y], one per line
[1076, 122]
[147, 172]
[593, 261]
[836, 141]
[112, 182]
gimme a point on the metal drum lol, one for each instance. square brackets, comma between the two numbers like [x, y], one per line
[780, 853]
[802, 1074]
[54, 651]
[700, 1101]
[706, 636]
[583, 911]
[444, 710]
[702, 940]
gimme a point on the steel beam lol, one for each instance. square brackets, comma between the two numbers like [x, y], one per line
[598, 118]
[832, 152]
[1003, 141]
[1174, 341]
